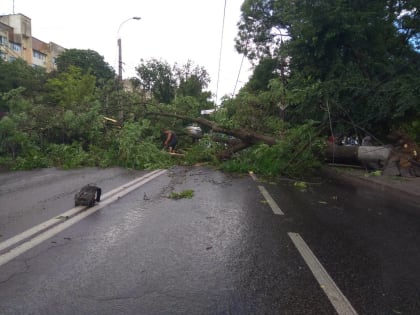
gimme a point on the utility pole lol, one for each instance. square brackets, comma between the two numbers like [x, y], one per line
[119, 60]
[120, 48]
[120, 71]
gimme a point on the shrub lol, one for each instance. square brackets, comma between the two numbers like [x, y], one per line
[67, 156]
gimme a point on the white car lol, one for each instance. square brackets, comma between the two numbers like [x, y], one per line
[194, 131]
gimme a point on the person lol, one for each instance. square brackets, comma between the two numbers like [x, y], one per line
[170, 141]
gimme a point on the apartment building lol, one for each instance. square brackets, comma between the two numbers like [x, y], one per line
[16, 41]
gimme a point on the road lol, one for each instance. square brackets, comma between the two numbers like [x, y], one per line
[238, 246]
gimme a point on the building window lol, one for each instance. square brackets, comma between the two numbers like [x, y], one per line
[3, 40]
[16, 47]
[38, 55]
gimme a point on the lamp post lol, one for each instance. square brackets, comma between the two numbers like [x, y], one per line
[120, 49]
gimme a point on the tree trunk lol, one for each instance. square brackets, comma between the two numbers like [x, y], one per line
[357, 154]
[390, 159]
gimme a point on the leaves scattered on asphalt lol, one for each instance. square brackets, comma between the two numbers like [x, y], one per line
[189, 193]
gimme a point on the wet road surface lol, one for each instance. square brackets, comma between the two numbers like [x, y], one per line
[224, 251]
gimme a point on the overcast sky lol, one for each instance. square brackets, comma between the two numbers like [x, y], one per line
[170, 30]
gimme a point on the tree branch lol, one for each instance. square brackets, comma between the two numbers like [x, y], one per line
[246, 135]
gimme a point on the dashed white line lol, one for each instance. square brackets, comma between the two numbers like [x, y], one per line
[334, 294]
[276, 209]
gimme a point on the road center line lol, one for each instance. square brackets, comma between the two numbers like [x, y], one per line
[334, 294]
[276, 209]
[111, 197]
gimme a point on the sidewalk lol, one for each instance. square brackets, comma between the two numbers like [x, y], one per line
[407, 187]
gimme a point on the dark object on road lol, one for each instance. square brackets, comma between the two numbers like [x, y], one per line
[87, 196]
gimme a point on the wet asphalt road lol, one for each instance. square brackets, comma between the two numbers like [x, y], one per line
[222, 252]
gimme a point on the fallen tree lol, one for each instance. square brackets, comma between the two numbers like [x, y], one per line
[400, 158]
[243, 137]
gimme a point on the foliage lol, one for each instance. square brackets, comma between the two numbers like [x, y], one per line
[260, 111]
[204, 150]
[13, 141]
[88, 61]
[265, 71]
[191, 81]
[31, 160]
[71, 89]
[189, 193]
[19, 75]
[166, 82]
[156, 77]
[413, 130]
[137, 150]
[297, 155]
[351, 62]
[67, 156]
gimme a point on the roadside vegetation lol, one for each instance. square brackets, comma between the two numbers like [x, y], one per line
[321, 68]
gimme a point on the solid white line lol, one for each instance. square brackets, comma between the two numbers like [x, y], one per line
[38, 228]
[276, 209]
[61, 217]
[13, 253]
[334, 294]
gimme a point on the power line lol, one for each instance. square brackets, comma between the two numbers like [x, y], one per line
[220, 53]
[237, 78]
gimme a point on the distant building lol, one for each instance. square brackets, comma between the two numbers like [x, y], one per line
[16, 41]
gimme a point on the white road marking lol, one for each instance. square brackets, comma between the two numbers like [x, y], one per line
[270, 201]
[253, 176]
[57, 219]
[334, 294]
[111, 196]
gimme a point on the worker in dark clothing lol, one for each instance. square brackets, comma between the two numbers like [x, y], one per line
[170, 141]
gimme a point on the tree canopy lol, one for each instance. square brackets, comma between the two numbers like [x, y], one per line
[353, 61]
[89, 61]
[165, 82]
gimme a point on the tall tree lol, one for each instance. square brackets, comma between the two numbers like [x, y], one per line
[192, 80]
[360, 56]
[18, 74]
[87, 60]
[72, 89]
[156, 77]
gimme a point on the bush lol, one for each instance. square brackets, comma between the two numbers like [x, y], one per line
[32, 160]
[203, 151]
[144, 155]
[67, 156]
[136, 148]
[298, 155]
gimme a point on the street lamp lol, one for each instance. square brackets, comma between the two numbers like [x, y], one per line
[119, 47]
